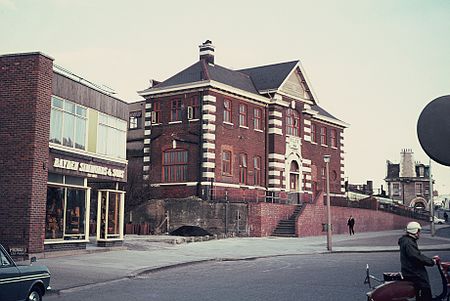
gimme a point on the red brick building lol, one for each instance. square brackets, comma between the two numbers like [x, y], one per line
[244, 135]
[63, 142]
[409, 181]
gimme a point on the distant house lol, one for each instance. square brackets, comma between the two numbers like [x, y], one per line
[236, 135]
[408, 181]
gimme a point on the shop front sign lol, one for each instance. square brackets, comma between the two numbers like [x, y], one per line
[89, 169]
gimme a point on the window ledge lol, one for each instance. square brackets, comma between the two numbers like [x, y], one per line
[323, 145]
[175, 122]
[243, 127]
[228, 123]
[192, 120]
[258, 130]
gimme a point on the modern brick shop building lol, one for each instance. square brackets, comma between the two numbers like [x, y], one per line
[247, 135]
[63, 142]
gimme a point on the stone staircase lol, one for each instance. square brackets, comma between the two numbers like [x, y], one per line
[286, 227]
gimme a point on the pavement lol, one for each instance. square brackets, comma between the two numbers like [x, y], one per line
[140, 255]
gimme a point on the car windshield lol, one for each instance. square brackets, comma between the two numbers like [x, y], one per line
[3, 259]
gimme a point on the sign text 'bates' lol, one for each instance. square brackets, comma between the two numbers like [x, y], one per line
[88, 168]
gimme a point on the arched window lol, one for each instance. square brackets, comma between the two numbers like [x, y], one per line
[175, 165]
[294, 173]
[292, 123]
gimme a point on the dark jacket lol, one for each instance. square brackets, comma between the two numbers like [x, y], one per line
[413, 262]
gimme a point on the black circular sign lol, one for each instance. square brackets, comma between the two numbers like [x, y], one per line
[433, 130]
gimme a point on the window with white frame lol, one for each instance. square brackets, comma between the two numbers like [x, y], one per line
[112, 136]
[68, 124]
[395, 189]
[419, 189]
[257, 119]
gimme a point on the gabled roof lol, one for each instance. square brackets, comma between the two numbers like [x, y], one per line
[202, 71]
[270, 77]
[323, 114]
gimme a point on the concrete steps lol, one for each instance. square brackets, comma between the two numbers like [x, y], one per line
[286, 228]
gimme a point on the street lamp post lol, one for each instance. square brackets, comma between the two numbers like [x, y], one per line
[326, 159]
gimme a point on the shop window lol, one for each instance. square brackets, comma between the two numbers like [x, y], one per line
[112, 136]
[75, 211]
[113, 214]
[110, 215]
[175, 110]
[257, 170]
[66, 213]
[257, 119]
[68, 124]
[243, 115]
[175, 165]
[227, 111]
[292, 123]
[243, 168]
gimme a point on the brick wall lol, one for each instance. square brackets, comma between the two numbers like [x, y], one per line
[313, 216]
[264, 217]
[25, 93]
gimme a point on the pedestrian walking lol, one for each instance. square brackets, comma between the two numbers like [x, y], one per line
[413, 262]
[351, 225]
[445, 216]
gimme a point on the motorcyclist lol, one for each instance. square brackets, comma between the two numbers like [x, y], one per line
[413, 262]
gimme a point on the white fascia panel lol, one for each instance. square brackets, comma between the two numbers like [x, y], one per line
[147, 141]
[306, 169]
[209, 155]
[276, 156]
[307, 185]
[307, 122]
[276, 131]
[307, 138]
[306, 161]
[209, 117]
[274, 181]
[209, 136]
[308, 177]
[209, 165]
[274, 172]
[210, 98]
[307, 130]
[209, 126]
[208, 174]
[209, 146]
[276, 165]
[276, 122]
[209, 108]
[275, 114]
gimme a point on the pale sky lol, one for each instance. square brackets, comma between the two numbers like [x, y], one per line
[373, 64]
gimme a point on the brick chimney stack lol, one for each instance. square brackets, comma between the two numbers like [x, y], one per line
[407, 164]
[207, 52]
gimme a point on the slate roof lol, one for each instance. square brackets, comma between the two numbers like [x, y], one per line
[270, 77]
[323, 112]
[203, 71]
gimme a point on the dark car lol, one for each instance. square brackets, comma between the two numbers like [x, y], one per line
[22, 282]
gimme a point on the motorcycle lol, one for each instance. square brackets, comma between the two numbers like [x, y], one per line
[394, 287]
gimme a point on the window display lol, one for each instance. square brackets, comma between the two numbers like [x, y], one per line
[110, 214]
[66, 213]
